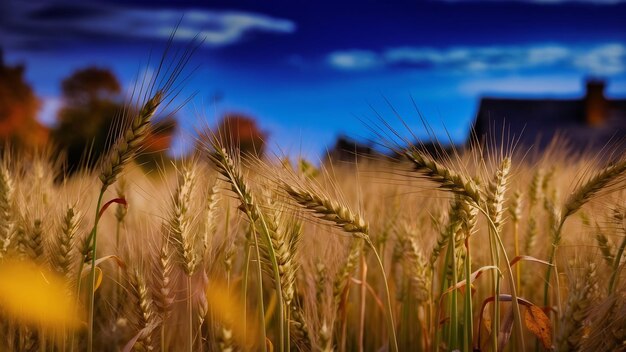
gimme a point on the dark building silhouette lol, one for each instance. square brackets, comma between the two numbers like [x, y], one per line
[588, 123]
[349, 150]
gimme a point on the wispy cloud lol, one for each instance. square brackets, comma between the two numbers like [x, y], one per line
[522, 85]
[601, 59]
[606, 60]
[41, 23]
[355, 60]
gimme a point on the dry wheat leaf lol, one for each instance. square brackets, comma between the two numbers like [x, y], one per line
[475, 275]
[98, 279]
[120, 201]
[116, 259]
[487, 322]
[539, 324]
[528, 258]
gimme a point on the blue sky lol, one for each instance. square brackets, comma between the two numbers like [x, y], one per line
[310, 71]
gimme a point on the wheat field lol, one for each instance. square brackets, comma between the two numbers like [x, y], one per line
[479, 249]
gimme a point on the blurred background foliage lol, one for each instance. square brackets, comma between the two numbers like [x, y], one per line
[93, 112]
[18, 110]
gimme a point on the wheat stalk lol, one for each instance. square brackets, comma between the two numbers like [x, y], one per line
[122, 152]
[450, 231]
[121, 210]
[233, 175]
[62, 252]
[515, 211]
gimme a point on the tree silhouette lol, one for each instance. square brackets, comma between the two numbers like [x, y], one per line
[89, 111]
[92, 114]
[241, 132]
[18, 110]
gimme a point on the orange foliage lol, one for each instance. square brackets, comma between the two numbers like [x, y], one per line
[18, 110]
[238, 131]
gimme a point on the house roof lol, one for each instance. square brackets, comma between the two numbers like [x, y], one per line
[537, 121]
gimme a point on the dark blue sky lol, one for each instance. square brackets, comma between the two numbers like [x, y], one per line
[309, 70]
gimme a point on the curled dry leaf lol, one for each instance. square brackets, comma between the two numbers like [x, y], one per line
[116, 259]
[120, 201]
[539, 324]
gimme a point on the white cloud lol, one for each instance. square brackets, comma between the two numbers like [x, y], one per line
[522, 85]
[604, 59]
[216, 28]
[354, 60]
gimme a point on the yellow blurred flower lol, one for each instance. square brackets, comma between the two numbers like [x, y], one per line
[34, 295]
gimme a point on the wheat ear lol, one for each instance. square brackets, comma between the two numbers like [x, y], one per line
[606, 332]
[345, 273]
[285, 236]
[30, 240]
[415, 267]
[180, 221]
[211, 215]
[143, 310]
[325, 338]
[445, 177]
[130, 142]
[534, 194]
[584, 291]
[585, 192]
[329, 210]
[495, 195]
[163, 288]
[606, 247]
[62, 254]
[299, 330]
[6, 209]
